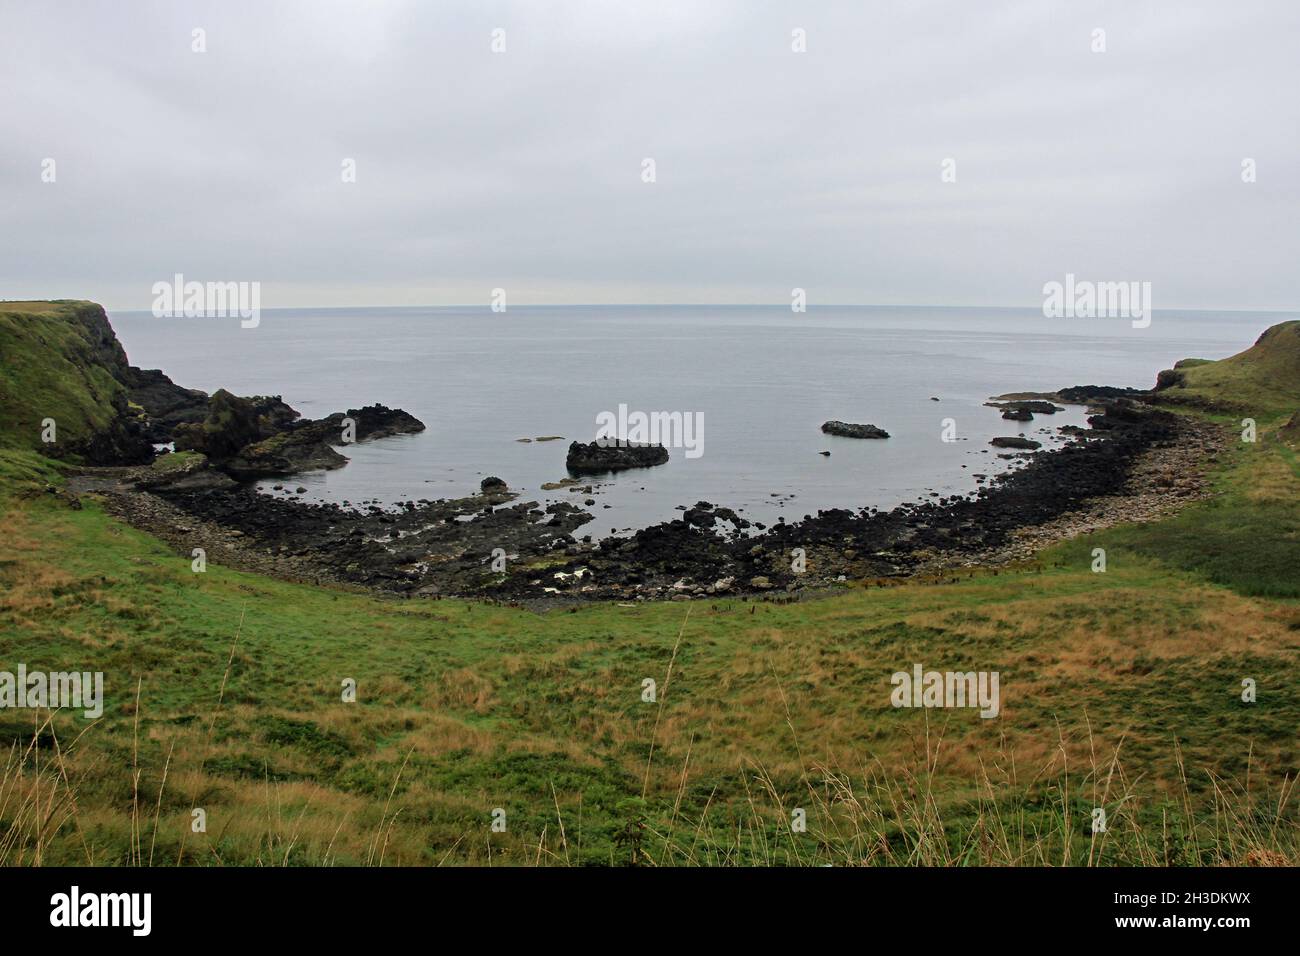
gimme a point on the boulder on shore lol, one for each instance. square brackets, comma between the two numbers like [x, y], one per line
[849, 430]
[613, 455]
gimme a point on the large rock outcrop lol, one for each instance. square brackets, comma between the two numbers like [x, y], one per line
[232, 423]
[261, 437]
[165, 403]
[309, 445]
[850, 430]
[607, 455]
[1027, 444]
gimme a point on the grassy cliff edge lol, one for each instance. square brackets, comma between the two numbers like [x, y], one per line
[61, 363]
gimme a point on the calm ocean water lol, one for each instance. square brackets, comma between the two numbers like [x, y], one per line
[763, 378]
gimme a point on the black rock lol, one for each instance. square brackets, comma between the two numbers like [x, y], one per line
[230, 424]
[165, 403]
[848, 430]
[1034, 406]
[378, 421]
[1088, 394]
[612, 455]
[1169, 378]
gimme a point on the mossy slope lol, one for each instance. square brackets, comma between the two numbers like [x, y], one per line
[1263, 381]
[61, 361]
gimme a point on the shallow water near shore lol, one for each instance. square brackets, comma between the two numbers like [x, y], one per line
[762, 378]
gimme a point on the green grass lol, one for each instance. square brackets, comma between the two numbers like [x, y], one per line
[177, 461]
[465, 708]
[53, 368]
[1247, 538]
[1262, 382]
[1120, 690]
[22, 471]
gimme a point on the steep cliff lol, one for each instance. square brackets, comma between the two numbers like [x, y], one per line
[64, 376]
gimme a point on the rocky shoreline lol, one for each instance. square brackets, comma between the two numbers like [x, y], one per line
[1135, 461]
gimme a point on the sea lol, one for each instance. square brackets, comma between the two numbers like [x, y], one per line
[756, 381]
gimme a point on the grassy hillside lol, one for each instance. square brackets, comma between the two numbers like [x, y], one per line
[1262, 382]
[1119, 690]
[58, 360]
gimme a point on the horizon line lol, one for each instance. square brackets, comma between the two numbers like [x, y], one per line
[697, 305]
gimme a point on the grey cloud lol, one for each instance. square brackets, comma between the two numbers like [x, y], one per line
[775, 169]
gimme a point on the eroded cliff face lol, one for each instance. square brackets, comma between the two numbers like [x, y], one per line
[103, 348]
[123, 438]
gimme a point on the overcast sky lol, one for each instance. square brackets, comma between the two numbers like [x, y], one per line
[774, 169]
